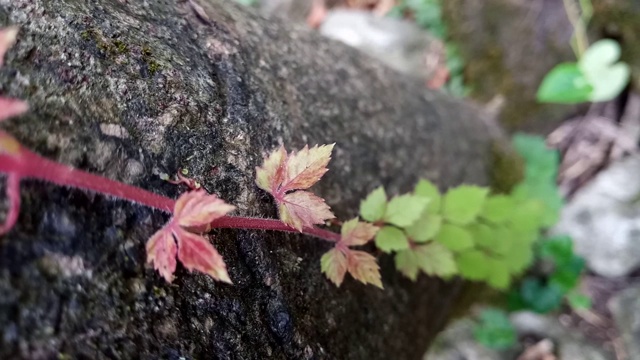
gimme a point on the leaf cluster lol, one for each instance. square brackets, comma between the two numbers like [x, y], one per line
[465, 231]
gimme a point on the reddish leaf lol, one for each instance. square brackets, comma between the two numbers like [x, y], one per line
[196, 253]
[161, 251]
[8, 144]
[13, 194]
[7, 39]
[303, 209]
[355, 233]
[197, 208]
[334, 265]
[306, 167]
[364, 268]
[280, 174]
[271, 174]
[11, 107]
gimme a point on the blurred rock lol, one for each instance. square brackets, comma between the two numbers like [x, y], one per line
[294, 10]
[569, 342]
[625, 307]
[508, 47]
[604, 220]
[457, 343]
[400, 44]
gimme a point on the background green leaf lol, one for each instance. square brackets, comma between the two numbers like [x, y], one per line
[495, 330]
[565, 84]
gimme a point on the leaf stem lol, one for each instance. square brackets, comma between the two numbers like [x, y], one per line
[26, 164]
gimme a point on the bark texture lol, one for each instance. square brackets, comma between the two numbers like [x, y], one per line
[134, 89]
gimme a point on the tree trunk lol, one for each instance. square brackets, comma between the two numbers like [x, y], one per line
[132, 89]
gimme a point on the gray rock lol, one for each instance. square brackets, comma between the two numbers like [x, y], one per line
[604, 220]
[570, 343]
[294, 10]
[625, 307]
[211, 87]
[399, 44]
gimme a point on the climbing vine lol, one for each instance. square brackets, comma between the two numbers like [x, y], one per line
[466, 231]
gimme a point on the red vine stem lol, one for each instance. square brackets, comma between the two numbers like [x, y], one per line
[26, 164]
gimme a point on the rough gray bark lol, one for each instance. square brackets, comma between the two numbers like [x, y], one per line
[131, 89]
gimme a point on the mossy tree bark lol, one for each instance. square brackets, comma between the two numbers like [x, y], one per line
[133, 89]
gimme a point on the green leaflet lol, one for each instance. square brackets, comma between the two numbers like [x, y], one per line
[404, 210]
[390, 238]
[454, 237]
[436, 259]
[427, 189]
[373, 207]
[432, 259]
[473, 265]
[498, 276]
[425, 228]
[497, 209]
[462, 205]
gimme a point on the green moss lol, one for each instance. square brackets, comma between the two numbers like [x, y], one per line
[147, 57]
[120, 47]
[507, 167]
[110, 47]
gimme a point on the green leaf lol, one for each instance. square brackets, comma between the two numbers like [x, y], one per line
[579, 301]
[373, 207]
[557, 248]
[518, 258]
[390, 239]
[497, 209]
[504, 239]
[427, 189]
[498, 277]
[462, 205]
[436, 260]
[526, 218]
[534, 151]
[565, 84]
[547, 194]
[540, 297]
[496, 240]
[404, 210]
[425, 228]
[600, 67]
[600, 54]
[433, 259]
[454, 237]
[473, 265]
[407, 263]
[567, 274]
[495, 330]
